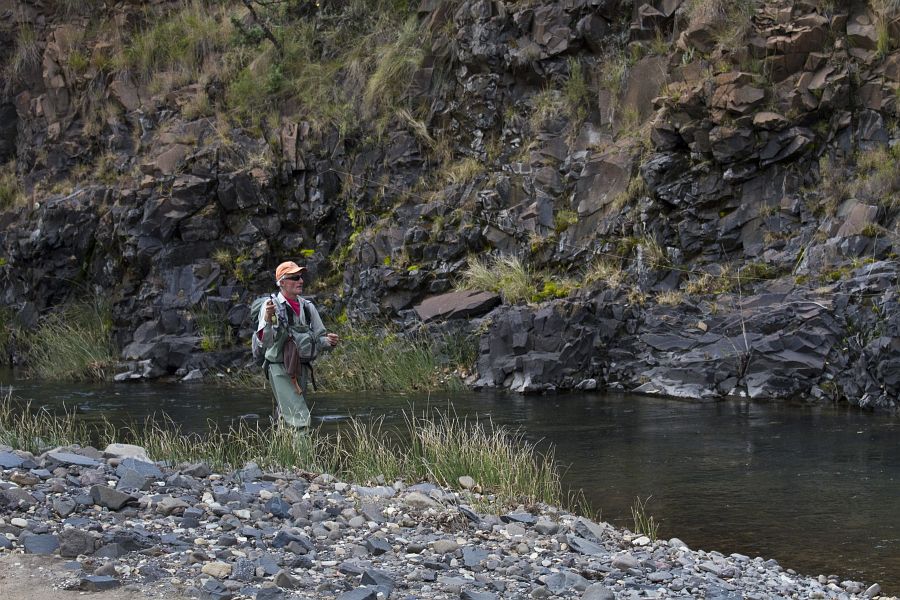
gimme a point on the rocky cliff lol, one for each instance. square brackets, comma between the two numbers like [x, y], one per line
[704, 193]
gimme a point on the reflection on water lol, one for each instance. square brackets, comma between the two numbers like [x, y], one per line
[815, 488]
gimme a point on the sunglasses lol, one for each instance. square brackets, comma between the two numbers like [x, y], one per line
[293, 278]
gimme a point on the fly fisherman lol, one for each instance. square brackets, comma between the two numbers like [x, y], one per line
[291, 332]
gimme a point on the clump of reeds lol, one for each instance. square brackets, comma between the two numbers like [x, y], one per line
[644, 522]
[36, 429]
[72, 343]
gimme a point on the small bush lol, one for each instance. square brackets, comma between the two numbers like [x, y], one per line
[25, 57]
[670, 298]
[564, 219]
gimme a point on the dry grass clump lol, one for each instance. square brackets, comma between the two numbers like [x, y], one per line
[606, 269]
[506, 275]
[730, 21]
[670, 298]
[878, 176]
[11, 194]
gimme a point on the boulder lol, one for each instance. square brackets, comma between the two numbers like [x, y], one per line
[456, 305]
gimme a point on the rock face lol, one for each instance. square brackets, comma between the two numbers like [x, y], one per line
[341, 541]
[743, 174]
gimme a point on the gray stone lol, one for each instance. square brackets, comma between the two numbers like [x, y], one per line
[109, 498]
[64, 506]
[213, 589]
[583, 546]
[270, 593]
[146, 469]
[70, 458]
[377, 546]
[40, 543]
[380, 580]
[98, 583]
[283, 579]
[278, 507]
[73, 542]
[598, 591]
[444, 546]
[171, 506]
[361, 593]
[473, 595]
[625, 562]
[457, 305]
[8, 460]
[472, 557]
[132, 480]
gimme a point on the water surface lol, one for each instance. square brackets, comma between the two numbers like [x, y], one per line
[813, 487]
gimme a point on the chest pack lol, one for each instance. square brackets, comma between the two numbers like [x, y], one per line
[304, 339]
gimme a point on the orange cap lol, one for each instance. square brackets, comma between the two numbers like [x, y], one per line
[287, 268]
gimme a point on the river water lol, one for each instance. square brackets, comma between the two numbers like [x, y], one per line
[816, 488]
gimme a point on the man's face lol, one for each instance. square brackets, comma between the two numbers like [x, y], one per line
[292, 285]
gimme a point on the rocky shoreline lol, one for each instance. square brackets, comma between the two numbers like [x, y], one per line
[120, 519]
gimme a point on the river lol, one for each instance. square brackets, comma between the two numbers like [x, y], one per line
[812, 487]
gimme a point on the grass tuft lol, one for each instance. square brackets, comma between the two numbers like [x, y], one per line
[643, 522]
[11, 194]
[72, 343]
[505, 275]
[371, 359]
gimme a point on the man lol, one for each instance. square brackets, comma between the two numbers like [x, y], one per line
[302, 324]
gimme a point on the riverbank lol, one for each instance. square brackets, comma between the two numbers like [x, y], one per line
[120, 520]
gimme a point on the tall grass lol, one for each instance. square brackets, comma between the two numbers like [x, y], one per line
[181, 41]
[505, 275]
[36, 430]
[438, 447]
[72, 343]
[10, 191]
[644, 522]
[397, 61]
[372, 359]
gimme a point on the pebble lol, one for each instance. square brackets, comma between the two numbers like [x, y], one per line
[250, 534]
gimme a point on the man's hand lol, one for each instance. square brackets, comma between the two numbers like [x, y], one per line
[332, 339]
[270, 311]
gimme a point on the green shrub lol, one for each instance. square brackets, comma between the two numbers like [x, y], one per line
[564, 219]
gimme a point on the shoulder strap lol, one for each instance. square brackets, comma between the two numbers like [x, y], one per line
[306, 313]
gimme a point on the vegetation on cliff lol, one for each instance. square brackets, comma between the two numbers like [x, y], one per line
[664, 155]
